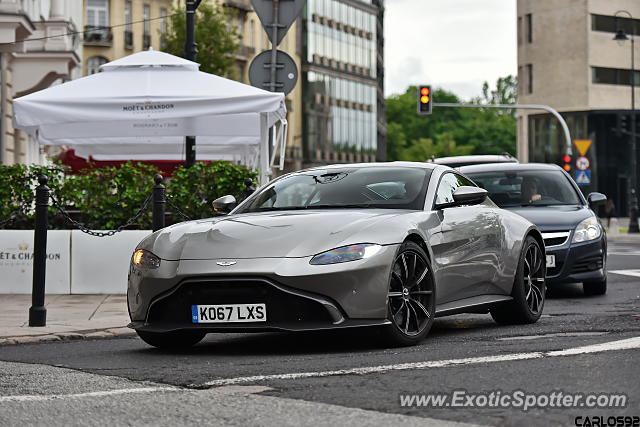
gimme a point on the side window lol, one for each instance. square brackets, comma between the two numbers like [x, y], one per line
[465, 181]
[447, 186]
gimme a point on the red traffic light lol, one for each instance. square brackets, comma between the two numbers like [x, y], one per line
[566, 158]
[424, 100]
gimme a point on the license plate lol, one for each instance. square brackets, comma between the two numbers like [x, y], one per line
[228, 313]
[551, 261]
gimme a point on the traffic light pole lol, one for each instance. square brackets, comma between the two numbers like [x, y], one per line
[191, 53]
[563, 123]
[633, 199]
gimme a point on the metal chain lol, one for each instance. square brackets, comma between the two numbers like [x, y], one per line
[168, 198]
[13, 215]
[84, 229]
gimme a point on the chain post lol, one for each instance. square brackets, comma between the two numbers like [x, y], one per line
[38, 312]
[248, 188]
[159, 201]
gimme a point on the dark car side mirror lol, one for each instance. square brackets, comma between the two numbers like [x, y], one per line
[596, 199]
[224, 204]
[468, 195]
[465, 195]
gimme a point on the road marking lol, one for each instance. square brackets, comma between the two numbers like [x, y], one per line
[631, 343]
[632, 273]
[36, 397]
[624, 253]
[552, 335]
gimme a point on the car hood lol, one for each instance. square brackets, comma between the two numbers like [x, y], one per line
[268, 234]
[554, 218]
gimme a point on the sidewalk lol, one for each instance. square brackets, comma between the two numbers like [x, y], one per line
[68, 317]
[617, 232]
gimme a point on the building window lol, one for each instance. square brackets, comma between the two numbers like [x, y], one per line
[163, 20]
[94, 63]
[128, 28]
[528, 27]
[608, 24]
[146, 26]
[529, 78]
[520, 79]
[97, 13]
[614, 76]
[519, 30]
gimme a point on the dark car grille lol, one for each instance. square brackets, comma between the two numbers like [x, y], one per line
[587, 264]
[283, 308]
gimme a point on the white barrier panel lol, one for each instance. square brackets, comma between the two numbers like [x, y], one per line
[100, 264]
[16, 262]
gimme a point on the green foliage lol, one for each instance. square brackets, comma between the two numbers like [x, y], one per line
[451, 131]
[193, 189]
[106, 198]
[18, 191]
[217, 39]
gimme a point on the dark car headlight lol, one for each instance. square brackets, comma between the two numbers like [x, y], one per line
[589, 229]
[346, 254]
[145, 259]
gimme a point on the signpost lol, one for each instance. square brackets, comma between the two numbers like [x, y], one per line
[582, 163]
[273, 69]
[583, 173]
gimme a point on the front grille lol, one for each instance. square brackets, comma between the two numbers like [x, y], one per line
[555, 238]
[587, 264]
[283, 308]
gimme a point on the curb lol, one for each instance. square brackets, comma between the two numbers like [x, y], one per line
[68, 336]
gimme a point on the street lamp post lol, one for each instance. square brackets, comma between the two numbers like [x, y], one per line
[191, 52]
[620, 37]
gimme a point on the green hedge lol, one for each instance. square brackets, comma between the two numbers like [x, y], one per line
[105, 198]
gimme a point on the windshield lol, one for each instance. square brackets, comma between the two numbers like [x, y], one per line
[364, 187]
[527, 188]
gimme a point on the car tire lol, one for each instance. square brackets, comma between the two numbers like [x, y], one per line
[411, 296]
[171, 340]
[598, 287]
[528, 290]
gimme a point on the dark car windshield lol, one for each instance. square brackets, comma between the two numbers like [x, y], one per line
[527, 187]
[363, 187]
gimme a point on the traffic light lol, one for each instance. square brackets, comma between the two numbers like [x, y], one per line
[424, 100]
[566, 160]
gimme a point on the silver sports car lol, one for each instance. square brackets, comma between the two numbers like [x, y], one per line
[391, 245]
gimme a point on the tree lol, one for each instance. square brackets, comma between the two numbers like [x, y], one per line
[451, 131]
[217, 39]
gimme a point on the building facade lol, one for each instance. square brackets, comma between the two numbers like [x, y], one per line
[38, 48]
[567, 59]
[342, 81]
[117, 28]
[336, 111]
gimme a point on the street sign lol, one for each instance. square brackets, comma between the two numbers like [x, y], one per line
[286, 72]
[287, 12]
[582, 163]
[582, 145]
[583, 177]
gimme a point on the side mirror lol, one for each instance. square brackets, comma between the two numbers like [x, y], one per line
[467, 195]
[224, 204]
[596, 199]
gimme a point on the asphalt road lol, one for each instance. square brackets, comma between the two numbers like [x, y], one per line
[582, 345]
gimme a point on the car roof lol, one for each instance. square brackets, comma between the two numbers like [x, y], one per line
[420, 165]
[474, 159]
[495, 167]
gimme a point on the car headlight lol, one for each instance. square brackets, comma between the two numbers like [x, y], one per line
[589, 229]
[346, 253]
[145, 259]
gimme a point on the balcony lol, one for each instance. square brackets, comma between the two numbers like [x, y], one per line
[146, 41]
[97, 36]
[128, 39]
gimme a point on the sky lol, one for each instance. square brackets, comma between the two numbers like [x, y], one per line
[452, 44]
